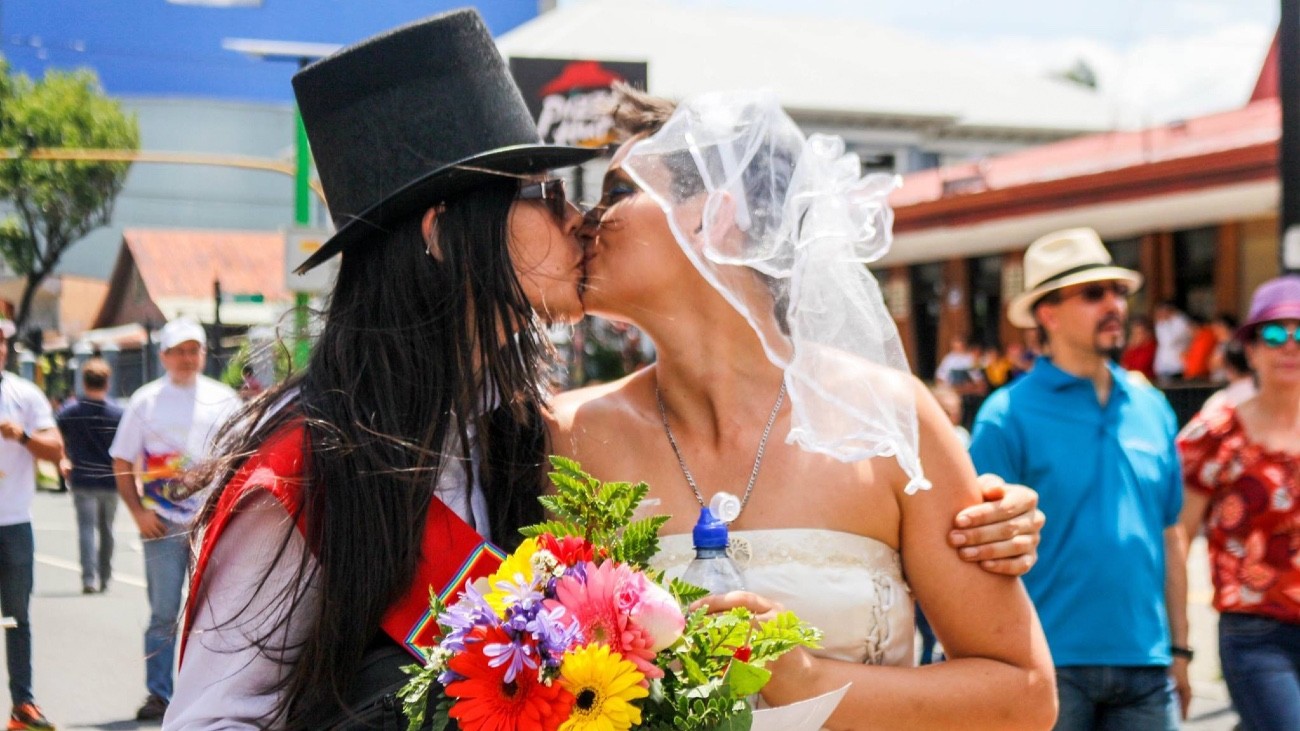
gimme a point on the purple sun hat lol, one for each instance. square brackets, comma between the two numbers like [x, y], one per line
[1276, 299]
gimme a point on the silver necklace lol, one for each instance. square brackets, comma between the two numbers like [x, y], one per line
[758, 459]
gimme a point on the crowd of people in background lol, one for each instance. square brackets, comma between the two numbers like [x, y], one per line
[1190, 351]
[1232, 473]
[105, 453]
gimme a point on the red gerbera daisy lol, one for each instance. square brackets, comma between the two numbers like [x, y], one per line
[570, 550]
[486, 702]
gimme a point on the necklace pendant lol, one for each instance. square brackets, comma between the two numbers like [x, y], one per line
[740, 551]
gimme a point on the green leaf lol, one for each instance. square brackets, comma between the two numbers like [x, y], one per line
[781, 634]
[557, 528]
[640, 540]
[55, 204]
[741, 720]
[745, 679]
[686, 594]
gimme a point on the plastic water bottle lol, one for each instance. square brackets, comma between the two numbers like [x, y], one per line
[712, 568]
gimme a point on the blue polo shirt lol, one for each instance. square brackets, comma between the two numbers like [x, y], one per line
[1109, 481]
[88, 428]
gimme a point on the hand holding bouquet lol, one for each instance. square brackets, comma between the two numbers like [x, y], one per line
[575, 631]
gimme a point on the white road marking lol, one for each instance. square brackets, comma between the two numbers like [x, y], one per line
[75, 567]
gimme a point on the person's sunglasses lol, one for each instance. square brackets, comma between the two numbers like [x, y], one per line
[551, 192]
[1275, 336]
[1096, 292]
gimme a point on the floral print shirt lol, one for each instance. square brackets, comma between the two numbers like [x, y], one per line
[1253, 522]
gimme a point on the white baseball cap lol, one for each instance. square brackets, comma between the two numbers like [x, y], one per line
[181, 330]
[7, 329]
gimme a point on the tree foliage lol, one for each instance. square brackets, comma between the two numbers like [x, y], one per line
[1080, 73]
[50, 205]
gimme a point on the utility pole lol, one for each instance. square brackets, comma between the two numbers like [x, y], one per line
[1289, 157]
[217, 329]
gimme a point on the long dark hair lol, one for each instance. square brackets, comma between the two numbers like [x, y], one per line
[411, 351]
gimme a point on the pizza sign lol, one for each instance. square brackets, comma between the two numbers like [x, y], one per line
[572, 99]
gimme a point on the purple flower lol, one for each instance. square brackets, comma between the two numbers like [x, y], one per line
[462, 617]
[515, 655]
[554, 633]
[519, 593]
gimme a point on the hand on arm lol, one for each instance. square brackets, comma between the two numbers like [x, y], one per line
[1178, 540]
[1000, 673]
[150, 525]
[1002, 533]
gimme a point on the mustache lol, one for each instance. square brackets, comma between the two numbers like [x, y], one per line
[1110, 320]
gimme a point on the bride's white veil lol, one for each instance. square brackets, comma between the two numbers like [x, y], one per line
[784, 227]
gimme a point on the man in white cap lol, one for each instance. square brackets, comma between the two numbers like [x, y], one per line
[169, 424]
[1098, 446]
[27, 433]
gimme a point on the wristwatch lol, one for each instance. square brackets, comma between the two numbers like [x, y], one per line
[1183, 652]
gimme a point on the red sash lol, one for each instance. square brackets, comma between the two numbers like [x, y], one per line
[452, 553]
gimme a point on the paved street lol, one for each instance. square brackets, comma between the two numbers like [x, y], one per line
[88, 649]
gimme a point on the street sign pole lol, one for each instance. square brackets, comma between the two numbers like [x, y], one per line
[302, 216]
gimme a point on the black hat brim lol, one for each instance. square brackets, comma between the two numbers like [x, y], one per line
[427, 190]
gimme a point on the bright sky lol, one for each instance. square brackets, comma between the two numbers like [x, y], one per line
[1158, 60]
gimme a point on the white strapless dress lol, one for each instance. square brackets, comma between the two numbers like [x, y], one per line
[849, 586]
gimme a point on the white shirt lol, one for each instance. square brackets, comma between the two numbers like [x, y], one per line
[165, 429]
[23, 402]
[1173, 335]
[222, 676]
[952, 362]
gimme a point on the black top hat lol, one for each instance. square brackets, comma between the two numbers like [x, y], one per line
[403, 119]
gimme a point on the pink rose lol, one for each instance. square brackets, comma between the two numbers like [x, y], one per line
[658, 613]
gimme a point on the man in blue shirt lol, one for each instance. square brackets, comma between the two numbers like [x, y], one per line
[88, 427]
[1098, 446]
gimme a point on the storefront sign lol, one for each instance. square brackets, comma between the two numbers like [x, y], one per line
[571, 99]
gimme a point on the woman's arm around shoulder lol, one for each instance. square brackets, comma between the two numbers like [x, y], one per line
[1000, 675]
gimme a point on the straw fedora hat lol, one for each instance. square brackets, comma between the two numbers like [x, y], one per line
[1062, 259]
[403, 119]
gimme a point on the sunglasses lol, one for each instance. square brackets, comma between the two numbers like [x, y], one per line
[1275, 336]
[551, 192]
[1096, 292]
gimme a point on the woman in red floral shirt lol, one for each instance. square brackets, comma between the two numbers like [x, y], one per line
[1241, 468]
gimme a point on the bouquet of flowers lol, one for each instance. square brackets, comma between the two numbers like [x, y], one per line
[575, 631]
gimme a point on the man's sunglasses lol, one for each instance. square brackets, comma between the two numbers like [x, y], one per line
[1275, 335]
[1096, 292]
[551, 192]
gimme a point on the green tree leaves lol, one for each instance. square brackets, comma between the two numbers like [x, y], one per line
[54, 203]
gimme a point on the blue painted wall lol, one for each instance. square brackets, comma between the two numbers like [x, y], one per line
[155, 48]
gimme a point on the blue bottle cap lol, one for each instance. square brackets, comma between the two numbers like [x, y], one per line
[709, 531]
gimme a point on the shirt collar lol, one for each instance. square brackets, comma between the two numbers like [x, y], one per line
[1057, 380]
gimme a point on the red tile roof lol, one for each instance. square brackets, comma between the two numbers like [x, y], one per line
[1270, 76]
[184, 263]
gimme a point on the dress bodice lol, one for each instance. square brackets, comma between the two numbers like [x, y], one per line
[849, 586]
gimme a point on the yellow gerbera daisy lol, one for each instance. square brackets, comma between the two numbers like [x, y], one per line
[603, 685]
[516, 568]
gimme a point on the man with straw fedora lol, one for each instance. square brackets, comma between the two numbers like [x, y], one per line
[1098, 445]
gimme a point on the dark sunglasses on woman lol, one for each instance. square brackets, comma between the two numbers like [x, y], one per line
[1275, 335]
[551, 192]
